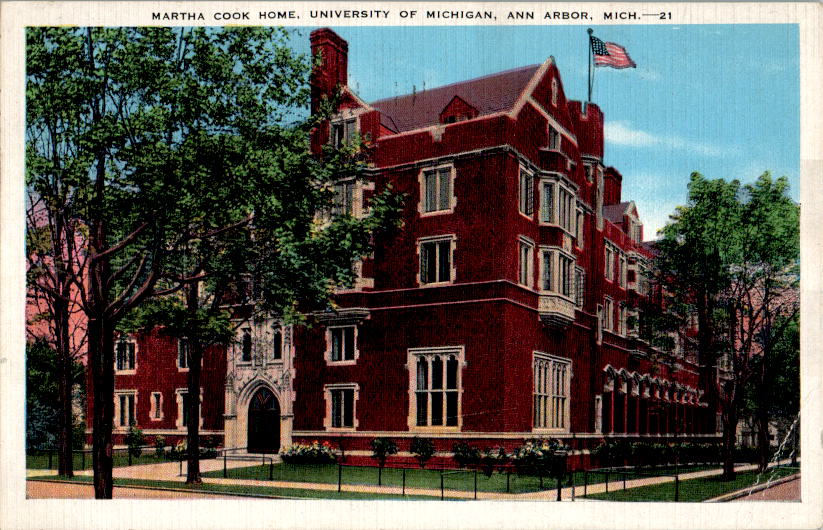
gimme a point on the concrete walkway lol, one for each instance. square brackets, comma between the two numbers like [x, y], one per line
[170, 471]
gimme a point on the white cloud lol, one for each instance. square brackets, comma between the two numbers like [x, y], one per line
[622, 133]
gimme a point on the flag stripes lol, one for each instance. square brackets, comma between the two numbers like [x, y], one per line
[610, 54]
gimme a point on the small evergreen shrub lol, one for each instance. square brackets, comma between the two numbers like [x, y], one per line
[422, 449]
[135, 441]
[466, 455]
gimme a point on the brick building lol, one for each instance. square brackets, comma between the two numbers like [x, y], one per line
[503, 309]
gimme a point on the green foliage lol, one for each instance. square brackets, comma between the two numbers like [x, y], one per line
[159, 446]
[314, 453]
[466, 455]
[422, 449]
[382, 448]
[43, 399]
[135, 440]
[494, 458]
[541, 457]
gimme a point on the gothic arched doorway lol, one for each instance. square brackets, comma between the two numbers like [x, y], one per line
[264, 423]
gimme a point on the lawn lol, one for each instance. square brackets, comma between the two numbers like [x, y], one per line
[121, 459]
[694, 490]
[419, 478]
[273, 492]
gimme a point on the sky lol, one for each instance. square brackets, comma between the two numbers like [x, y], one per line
[722, 100]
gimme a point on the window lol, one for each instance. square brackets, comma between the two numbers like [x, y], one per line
[340, 406]
[579, 287]
[546, 279]
[436, 260]
[183, 408]
[579, 224]
[558, 206]
[437, 190]
[547, 203]
[343, 200]
[555, 88]
[156, 412]
[526, 274]
[277, 344]
[624, 267]
[551, 391]
[436, 387]
[609, 264]
[554, 138]
[561, 282]
[343, 131]
[246, 346]
[125, 409]
[622, 327]
[125, 355]
[608, 314]
[565, 266]
[341, 344]
[526, 192]
[182, 354]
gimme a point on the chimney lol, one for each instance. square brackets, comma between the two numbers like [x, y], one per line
[332, 72]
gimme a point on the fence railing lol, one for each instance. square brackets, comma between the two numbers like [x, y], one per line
[52, 455]
[622, 475]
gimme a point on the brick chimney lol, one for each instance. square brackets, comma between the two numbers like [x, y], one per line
[333, 69]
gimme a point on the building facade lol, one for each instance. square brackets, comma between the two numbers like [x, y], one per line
[504, 309]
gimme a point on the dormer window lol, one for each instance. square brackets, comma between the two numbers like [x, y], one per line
[342, 132]
[457, 110]
[554, 138]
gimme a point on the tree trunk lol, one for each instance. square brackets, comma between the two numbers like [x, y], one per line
[65, 375]
[729, 437]
[762, 419]
[195, 357]
[101, 359]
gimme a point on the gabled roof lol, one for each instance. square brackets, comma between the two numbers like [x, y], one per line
[488, 94]
[615, 212]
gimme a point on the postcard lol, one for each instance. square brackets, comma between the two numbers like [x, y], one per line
[410, 265]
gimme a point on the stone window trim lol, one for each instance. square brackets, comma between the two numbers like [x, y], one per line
[156, 411]
[117, 412]
[525, 271]
[125, 339]
[610, 253]
[328, 353]
[348, 124]
[327, 392]
[555, 91]
[525, 192]
[554, 188]
[452, 239]
[439, 171]
[556, 284]
[608, 314]
[178, 422]
[413, 354]
[551, 406]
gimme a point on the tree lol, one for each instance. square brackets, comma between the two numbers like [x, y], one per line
[729, 256]
[382, 448]
[422, 449]
[44, 399]
[190, 145]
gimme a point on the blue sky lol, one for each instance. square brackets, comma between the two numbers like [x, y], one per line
[719, 99]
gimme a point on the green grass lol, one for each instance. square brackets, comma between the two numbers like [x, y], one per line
[265, 491]
[694, 490]
[121, 459]
[417, 478]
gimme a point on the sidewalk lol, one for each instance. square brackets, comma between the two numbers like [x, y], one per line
[170, 471]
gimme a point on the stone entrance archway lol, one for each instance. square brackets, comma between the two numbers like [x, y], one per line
[264, 422]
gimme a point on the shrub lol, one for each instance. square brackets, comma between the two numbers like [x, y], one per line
[382, 448]
[159, 446]
[541, 457]
[135, 441]
[466, 455]
[642, 454]
[422, 449]
[494, 457]
[315, 453]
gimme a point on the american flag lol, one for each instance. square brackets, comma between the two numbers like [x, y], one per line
[610, 54]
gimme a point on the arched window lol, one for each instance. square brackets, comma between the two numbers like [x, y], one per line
[246, 345]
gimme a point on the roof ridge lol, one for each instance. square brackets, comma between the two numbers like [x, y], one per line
[482, 77]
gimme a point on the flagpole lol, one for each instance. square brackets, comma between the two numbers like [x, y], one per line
[590, 31]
